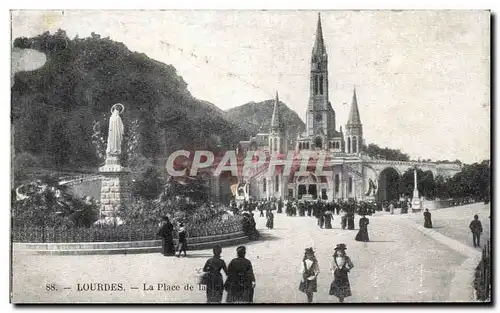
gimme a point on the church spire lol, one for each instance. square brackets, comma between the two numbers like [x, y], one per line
[354, 118]
[276, 123]
[319, 44]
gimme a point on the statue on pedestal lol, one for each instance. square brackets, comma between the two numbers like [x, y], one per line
[115, 183]
[115, 139]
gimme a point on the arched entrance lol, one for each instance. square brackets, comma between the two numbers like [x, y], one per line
[318, 143]
[388, 185]
[307, 184]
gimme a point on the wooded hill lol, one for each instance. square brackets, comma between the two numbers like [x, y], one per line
[54, 107]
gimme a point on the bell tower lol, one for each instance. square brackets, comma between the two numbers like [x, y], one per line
[318, 116]
[277, 138]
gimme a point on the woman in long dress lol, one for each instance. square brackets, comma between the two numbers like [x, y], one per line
[240, 282]
[341, 265]
[328, 219]
[363, 229]
[427, 219]
[270, 220]
[167, 237]
[309, 271]
[215, 283]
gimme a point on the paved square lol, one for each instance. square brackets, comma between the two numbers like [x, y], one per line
[400, 264]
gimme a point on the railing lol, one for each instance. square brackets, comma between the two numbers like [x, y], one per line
[482, 282]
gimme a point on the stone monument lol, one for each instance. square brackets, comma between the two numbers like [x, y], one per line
[115, 188]
[416, 203]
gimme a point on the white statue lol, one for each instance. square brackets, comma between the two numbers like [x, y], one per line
[115, 135]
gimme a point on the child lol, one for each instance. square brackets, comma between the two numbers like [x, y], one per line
[182, 245]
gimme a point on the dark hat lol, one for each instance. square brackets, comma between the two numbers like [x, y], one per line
[164, 217]
[309, 251]
[341, 246]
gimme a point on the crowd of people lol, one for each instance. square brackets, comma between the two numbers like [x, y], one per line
[321, 210]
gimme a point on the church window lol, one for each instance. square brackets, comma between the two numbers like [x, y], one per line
[277, 184]
[337, 146]
[275, 144]
[264, 185]
[307, 145]
[320, 85]
[349, 145]
[337, 183]
[354, 145]
[315, 79]
[350, 185]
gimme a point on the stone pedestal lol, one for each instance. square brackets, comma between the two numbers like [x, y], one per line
[416, 204]
[115, 188]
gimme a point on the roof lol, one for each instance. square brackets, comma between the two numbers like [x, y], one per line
[354, 118]
[319, 44]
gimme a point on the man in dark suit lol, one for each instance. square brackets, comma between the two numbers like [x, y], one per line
[240, 281]
[476, 229]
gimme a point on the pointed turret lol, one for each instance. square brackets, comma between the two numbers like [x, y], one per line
[319, 44]
[354, 118]
[354, 128]
[277, 138]
[276, 122]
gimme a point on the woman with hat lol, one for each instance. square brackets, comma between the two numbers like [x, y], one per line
[240, 282]
[215, 283]
[309, 271]
[341, 265]
[363, 229]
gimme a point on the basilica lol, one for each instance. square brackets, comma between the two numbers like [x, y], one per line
[352, 174]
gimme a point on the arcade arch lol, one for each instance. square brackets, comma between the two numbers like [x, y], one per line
[388, 185]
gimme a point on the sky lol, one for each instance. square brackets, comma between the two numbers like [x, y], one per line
[422, 77]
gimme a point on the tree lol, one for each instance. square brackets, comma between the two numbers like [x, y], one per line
[377, 152]
[425, 183]
[49, 204]
[472, 181]
[149, 185]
